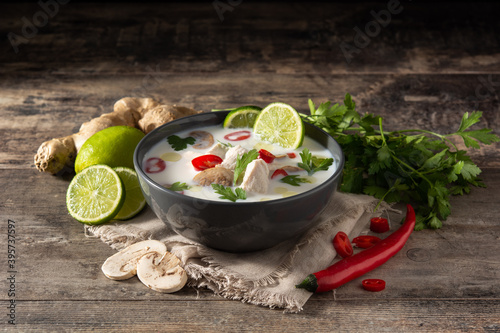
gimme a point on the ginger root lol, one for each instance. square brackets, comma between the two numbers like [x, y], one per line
[162, 114]
[55, 155]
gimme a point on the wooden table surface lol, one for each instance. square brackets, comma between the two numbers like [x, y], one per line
[65, 63]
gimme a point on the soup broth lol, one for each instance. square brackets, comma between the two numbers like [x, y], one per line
[167, 166]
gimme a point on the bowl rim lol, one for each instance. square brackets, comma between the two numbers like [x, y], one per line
[161, 188]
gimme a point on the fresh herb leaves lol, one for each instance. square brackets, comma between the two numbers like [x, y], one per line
[178, 187]
[402, 166]
[227, 192]
[312, 163]
[242, 162]
[225, 144]
[178, 143]
[294, 180]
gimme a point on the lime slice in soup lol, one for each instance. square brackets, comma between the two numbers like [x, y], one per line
[243, 116]
[279, 123]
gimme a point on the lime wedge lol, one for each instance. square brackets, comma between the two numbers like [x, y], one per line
[95, 195]
[243, 116]
[279, 123]
[134, 199]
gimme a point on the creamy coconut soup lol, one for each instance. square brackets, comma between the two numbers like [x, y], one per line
[191, 162]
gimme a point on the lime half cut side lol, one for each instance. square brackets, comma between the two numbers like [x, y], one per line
[279, 123]
[244, 116]
[134, 199]
[95, 195]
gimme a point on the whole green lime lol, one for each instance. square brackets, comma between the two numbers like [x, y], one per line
[113, 146]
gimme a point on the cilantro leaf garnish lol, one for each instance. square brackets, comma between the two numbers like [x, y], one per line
[312, 163]
[294, 180]
[225, 144]
[242, 163]
[178, 187]
[401, 166]
[178, 143]
[227, 192]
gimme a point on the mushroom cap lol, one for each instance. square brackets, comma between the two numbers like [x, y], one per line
[216, 175]
[161, 272]
[123, 264]
[203, 139]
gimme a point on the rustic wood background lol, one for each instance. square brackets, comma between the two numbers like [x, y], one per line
[431, 63]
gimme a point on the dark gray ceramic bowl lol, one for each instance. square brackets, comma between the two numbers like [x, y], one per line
[235, 226]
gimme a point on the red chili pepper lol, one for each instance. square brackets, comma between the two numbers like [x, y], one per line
[154, 165]
[291, 155]
[238, 136]
[362, 262]
[365, 241]
[373, 284]
[379, 225]
[203, 162]
[278, 172]
[266, 156]
[342, 244]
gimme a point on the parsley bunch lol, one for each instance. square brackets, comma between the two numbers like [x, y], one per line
[410, 165]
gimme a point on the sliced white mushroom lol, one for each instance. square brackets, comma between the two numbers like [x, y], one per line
[288, 168]
[123, 264]
[161, 272]
[216, 175]
[203, 139]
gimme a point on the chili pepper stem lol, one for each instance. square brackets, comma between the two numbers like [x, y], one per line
[310, 283]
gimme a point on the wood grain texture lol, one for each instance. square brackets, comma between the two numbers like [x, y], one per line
[429, 65]
[70, 101]
[291, 38]
[51, 241]
[214, 316]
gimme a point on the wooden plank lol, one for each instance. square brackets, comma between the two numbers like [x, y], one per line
[49, 240]
[297, 38]
[214, 316]
[28, 119]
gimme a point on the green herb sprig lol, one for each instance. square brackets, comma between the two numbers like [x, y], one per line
[177, 143]
[242, 163]
[294, 180]
[312, 163]
[227, 192]
[178, 187]
[411, 165]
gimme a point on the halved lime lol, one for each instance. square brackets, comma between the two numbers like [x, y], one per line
[113, 146]
[244, 116]
[134, 199]
[279, 123]
[95, 195]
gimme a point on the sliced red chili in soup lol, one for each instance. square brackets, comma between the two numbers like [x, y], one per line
[279, 172]
[154, 165]
[204, 162]
[237, 136]
[266, 156]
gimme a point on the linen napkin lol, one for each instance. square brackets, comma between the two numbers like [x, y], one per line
[266, 277]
